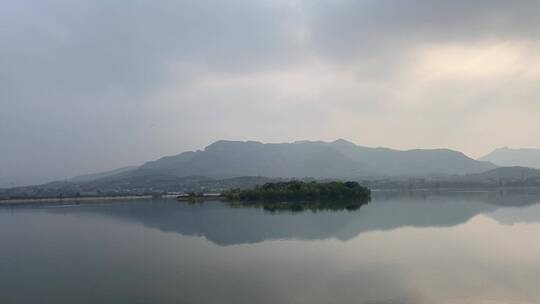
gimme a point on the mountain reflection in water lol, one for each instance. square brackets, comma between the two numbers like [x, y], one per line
[412, 248]
[225, 225]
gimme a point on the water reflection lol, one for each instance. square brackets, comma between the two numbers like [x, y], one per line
[223, 225]
[299, 206]
[416, 248]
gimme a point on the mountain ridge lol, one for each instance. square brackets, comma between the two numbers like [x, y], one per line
[318, 159]
[512, 172]
[507, 157]
[226, 159]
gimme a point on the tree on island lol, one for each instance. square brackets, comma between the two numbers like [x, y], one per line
[297, 195]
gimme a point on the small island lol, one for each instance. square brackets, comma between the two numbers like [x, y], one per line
[298, 196]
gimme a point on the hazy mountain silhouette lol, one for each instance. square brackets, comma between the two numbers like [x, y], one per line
[338, 159]
[507, 173]
[220, 163]
[514, 157]
[94, 176]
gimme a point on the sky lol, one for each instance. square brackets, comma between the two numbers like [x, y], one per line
[92, 85]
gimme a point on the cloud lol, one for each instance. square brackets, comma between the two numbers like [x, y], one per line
[97, 85]
[346, 27]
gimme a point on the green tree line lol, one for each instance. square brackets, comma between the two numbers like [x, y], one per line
[302, 191]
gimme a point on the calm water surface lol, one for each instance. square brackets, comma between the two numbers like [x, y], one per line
[401, 248]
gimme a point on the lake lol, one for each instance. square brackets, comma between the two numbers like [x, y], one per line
[421, 247]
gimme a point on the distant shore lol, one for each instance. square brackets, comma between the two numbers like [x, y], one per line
[75, 200]
[19, 201]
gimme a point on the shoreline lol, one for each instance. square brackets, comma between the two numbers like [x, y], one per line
[22, 201]
[72, 200]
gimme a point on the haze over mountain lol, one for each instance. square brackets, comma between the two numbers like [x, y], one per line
[338, 159]
[508, 173]
[94, 176]
[220, 164]
[10, 181]
[514, 157]
[237, 164]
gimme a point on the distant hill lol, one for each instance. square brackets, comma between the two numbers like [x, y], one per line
[133, 185]
[226, 164]
[338, 159]
[514, 157]
[502, 177]
[508, 173]
[21, 180]
[91, 177]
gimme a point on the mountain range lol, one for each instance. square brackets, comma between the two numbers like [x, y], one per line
[514, 157]
[225, 164]
[317, 159]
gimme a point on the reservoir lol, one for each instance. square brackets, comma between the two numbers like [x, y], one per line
[402, 247]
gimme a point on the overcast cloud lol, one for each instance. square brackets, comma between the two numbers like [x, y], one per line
[88, 85]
